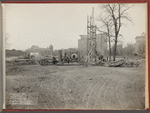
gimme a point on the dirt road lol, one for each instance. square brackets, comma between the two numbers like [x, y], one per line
[77, 87]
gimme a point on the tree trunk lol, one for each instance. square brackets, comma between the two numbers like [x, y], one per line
[116, 36]
[115, 48]
[109, 50]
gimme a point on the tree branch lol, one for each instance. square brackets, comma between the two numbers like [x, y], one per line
[126, 9]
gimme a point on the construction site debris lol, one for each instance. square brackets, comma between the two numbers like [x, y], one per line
[124, 63]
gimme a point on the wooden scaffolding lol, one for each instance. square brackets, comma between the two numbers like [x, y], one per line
[91, 39]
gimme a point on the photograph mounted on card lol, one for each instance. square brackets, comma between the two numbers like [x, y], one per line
[91, 56]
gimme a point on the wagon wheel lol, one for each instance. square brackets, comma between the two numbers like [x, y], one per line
[40, 62]
[44, 62]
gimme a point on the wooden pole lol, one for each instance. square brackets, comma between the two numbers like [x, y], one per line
[60, 56]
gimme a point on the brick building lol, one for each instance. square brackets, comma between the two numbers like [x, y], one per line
[41, 51]
[101, 44]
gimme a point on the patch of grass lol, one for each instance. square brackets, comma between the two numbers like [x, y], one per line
[13, 70]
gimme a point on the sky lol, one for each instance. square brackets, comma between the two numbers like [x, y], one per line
[60, 24]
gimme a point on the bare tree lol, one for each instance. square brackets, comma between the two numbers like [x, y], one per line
[116, 13]
[108, 25]
[130, 48]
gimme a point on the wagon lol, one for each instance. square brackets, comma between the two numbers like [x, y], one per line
[47, 60]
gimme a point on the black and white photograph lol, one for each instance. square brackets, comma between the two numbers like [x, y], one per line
[78, 56]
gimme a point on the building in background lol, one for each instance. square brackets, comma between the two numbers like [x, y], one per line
[40, 51]
[140, 44]
[101, 44]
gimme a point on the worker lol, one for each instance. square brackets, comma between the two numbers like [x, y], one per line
[101, 57]
[107, 57]
[68, 59]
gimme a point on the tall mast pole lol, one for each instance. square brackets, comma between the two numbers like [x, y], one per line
[87, 32]
[91, 38]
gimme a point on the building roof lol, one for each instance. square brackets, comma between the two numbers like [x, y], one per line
[35, 47]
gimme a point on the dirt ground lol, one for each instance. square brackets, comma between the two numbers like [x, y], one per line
[75, 87]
